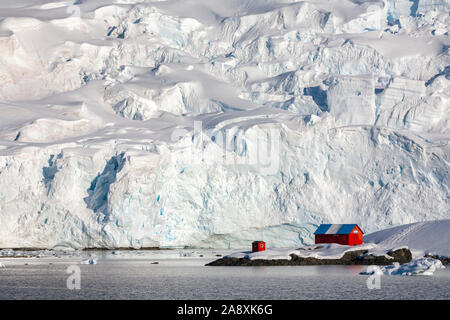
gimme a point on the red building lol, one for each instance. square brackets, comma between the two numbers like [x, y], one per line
[347, 234]
[258, 246]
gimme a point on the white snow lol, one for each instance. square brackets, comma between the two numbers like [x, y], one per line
[148, 123]
[320, 251]
[420, 266]
[424, 238]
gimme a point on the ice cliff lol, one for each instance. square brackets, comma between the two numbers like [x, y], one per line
[210, 123]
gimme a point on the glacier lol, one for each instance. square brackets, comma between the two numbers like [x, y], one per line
[209, 124]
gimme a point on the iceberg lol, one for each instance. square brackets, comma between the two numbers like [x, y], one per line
[421, 266]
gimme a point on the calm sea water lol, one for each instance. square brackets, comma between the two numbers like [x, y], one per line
[187, 278]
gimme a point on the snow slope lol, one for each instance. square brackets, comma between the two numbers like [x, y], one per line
[432, 237]
[137, 123]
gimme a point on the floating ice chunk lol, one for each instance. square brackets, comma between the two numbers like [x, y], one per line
[420, 266]
[7, 253]
[187, 254]
[89, 261]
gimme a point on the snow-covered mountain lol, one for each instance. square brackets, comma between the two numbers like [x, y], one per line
[209, 123]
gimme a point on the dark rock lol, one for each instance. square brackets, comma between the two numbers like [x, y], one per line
[401, 255]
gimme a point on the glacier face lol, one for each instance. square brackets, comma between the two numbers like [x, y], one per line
[212, 123]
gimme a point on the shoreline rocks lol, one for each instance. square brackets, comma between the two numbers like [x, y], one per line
[357, 257]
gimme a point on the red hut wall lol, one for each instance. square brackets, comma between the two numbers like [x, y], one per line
[355, 239]
[351, 239]
[258, 246]
[332, 238]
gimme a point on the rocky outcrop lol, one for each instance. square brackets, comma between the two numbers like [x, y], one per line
[357, 257]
